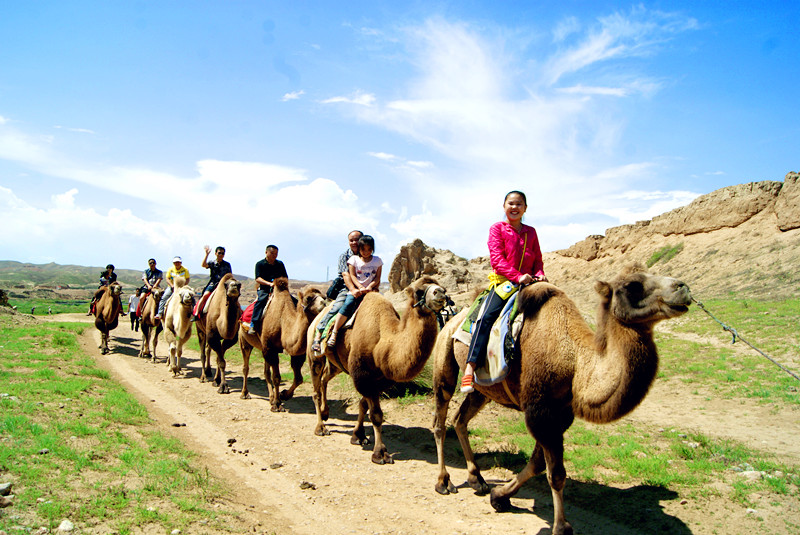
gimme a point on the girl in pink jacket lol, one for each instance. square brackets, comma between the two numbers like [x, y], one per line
[516, 259]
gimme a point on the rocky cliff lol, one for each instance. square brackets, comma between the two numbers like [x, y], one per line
[740, 241]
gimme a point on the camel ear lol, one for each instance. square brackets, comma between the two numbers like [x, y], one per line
[603, 289]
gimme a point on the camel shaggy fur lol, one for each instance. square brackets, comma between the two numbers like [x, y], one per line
[218, 329]
[106, 313]
[178, 325]
[380, 349]
[563, 370]
[151, 327]
[283, 328]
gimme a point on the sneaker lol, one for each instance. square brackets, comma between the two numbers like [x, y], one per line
[158, 316]
[466, 384]
[251, 329]
[194, 318]
[315, 347]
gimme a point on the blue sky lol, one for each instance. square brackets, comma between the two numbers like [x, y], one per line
[138, 129]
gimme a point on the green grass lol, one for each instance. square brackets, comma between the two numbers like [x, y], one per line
[736, 370]
[58, 306]
[76, 445]
[665, 254]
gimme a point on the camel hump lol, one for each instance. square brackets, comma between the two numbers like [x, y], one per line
[225, 278]
[532, 298]
[282, 284]
[180, 282]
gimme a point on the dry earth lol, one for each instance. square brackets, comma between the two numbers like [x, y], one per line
[276, 455]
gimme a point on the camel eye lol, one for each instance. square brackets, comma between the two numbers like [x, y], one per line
[635, 291]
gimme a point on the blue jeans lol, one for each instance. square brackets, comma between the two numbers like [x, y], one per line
[164, 298]
[350, 305]
[261, 303]
[483, 327]
[337, 305]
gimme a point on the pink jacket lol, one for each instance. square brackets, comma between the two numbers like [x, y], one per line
[506, 247]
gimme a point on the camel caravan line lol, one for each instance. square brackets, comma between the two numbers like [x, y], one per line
[561, 368]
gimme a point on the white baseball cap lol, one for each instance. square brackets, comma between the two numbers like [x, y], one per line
[177, 259]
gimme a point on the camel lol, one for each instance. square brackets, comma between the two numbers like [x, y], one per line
[283, 328]
[380, 349]
[106, 313]
[177, 323]
[151, 327]
[563, 370]
[218, 329]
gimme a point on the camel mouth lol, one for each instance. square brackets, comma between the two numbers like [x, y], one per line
[679, 309]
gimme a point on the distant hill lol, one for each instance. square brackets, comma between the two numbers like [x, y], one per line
[738, 241]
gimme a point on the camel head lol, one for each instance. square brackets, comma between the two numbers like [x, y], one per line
[186, 295]
[312, 301]
[636, 296]
[232, 288]
[157, 293]
[425, 292]
[115, 289]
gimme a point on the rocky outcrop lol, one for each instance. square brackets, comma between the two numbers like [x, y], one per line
[455, 274]
[727, 207]
[741, 202]
[787, 206]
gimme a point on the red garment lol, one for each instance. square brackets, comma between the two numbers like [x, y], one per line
[506, 248]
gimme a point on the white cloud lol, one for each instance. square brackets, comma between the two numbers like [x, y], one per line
[78, 130]
[294, 95]
[359, 98]
[383, 156]
[565, 28]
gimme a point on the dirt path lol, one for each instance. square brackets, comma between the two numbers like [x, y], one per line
[349, 494]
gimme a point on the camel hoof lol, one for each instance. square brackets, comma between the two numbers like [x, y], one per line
[322, 431]
[446, 487]
[224, 389]
[478, 484]
[277, 408]
[359, 440]
[563, 529]
[501, 504]
[382, 458]
[285, 394]
[245, 395]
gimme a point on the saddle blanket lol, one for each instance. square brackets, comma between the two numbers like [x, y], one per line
[502, 340]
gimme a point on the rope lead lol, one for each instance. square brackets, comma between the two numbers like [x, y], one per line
[736, 335]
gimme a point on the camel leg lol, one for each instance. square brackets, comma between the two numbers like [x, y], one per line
[379, 453]
[317, 366]
[272, 374]
[143, 350]
[246, 349]
[327, 377]
[445, 377]
[297, 367]
[205, 356]
[157, 328]
[471, 406]
[220, 378]
[359, 437]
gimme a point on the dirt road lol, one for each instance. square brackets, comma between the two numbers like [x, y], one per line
[295, 482]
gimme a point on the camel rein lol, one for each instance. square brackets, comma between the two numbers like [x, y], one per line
[735, 335]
